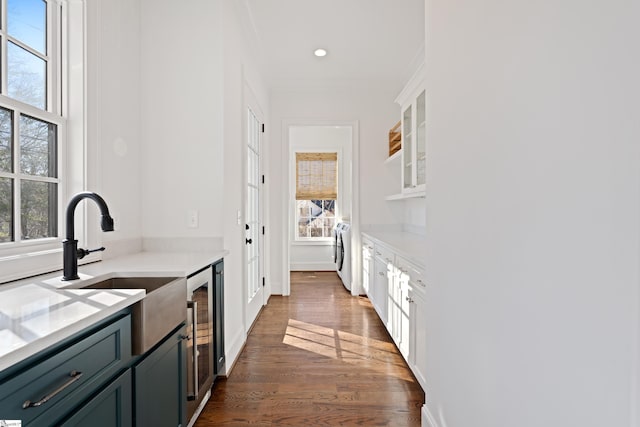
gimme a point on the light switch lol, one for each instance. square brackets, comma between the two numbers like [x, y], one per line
[192, 219]
[239, 217]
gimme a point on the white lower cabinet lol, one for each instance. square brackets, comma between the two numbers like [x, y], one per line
[418, 333]
[379, 294]
[396, 290]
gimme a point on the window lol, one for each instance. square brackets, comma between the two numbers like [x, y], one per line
[316, 195]
[30, 122]
[315, 218]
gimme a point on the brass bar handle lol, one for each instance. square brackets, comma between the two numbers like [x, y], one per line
[75, 376]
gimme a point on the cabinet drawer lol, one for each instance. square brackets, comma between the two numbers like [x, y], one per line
[367, 244]
[414, 273]
[62, 379]
[384, 254]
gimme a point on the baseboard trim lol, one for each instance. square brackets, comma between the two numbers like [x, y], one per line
[234, 351]
[312, 266]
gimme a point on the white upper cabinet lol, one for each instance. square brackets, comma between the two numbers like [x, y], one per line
[413, 105]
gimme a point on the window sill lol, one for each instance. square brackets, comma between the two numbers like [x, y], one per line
[20, 266]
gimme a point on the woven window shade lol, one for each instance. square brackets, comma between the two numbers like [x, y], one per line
[316, 176]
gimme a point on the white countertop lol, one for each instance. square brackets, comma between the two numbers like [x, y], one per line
[38, 312]
[408, 245]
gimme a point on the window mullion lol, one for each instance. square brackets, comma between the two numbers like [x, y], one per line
[28, 48]
[17, 187]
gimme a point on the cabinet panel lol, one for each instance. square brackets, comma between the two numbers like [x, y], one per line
[380, 288]
[404, 316]
[418, 335]
[112, 407]
[160, 384]
[394, 309]
[67, 376]
[367, 267]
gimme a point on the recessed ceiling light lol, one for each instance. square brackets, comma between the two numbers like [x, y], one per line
[320, 53]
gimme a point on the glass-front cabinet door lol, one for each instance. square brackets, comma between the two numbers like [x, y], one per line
[421, 140]
[414, 144]
[407, 148]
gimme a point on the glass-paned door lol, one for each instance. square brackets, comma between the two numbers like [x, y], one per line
[255, 292]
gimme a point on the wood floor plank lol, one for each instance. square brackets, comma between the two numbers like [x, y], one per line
[319, 357]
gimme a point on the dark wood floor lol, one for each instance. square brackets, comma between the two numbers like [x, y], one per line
[319, 357]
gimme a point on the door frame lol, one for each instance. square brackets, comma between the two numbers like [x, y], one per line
[356, 256]
[251, 102]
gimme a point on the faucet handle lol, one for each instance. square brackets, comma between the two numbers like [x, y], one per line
[84, 252]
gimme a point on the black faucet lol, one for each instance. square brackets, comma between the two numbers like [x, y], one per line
[71, 253]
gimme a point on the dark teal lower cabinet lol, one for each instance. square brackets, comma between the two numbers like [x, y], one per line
[112, 407]
[160, 385]
[92, 380]
[51, 386]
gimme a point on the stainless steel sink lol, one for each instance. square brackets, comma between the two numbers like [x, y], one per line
[162, 309]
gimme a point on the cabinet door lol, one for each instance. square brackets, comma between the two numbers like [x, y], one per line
[380, 292]
[421, 141]
[394, 310]
[112, 407]
[404, 315]
[161, 386]
[414, 144]
[408, 179]
[418, 345]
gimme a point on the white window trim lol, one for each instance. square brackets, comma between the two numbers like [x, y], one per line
[76, 156]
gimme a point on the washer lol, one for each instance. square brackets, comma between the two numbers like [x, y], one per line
[342, 253]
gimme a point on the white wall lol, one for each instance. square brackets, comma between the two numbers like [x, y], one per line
[114, 127]
[169, 123]
[375, 112]
[414, 214]
[241, 75]
[195, 61]
[181, 117]
[306, 256]
[532, 213]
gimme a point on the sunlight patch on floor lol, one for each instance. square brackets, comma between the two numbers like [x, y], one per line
[346, 347]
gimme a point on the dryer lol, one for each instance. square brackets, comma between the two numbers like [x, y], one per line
[342, 252]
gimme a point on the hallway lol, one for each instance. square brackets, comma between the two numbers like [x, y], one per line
[318, 357]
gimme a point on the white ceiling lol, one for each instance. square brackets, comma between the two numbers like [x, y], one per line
[369, 41]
